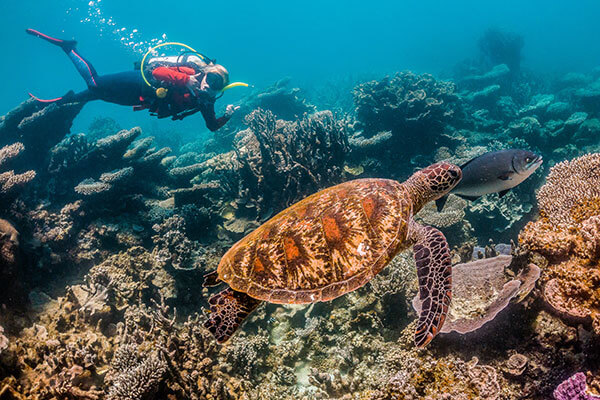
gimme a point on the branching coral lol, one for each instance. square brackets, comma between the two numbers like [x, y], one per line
[281, 162]
[173, 248]
[38, 126]
[137, 376]
[110, 168]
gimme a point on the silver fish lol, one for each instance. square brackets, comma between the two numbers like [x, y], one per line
[494, 172]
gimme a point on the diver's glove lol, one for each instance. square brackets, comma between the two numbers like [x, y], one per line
[230, 110]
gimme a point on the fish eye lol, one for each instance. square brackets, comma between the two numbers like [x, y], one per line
[528, 159]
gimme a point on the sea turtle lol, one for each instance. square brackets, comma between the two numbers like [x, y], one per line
[334, 242]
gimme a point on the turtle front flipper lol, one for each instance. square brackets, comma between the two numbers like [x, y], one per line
[434, 270]
[228, 309]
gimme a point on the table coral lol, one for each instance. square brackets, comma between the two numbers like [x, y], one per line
[9, 181]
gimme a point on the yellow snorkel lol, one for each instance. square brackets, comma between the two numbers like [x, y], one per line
[234, 84]
[162, 92]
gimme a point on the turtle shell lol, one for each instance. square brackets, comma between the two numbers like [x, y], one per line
[322, 247]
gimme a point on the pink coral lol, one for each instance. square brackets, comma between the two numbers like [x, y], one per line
[574, 388]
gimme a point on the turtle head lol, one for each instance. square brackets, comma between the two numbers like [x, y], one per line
[432, 182]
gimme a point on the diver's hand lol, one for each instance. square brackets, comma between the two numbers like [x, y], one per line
[230, 110]
[194, 82]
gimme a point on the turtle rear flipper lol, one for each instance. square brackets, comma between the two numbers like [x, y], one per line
[434, 270]
[228, 309]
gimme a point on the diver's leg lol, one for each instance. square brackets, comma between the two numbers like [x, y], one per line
[83, 66]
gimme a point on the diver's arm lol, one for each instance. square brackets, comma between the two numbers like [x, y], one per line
[212, 122]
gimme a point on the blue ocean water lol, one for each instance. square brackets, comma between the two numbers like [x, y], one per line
[313, 42]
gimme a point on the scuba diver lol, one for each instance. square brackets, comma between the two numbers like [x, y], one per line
[186, 84]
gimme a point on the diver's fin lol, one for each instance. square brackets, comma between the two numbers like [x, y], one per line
[503, 192]
[441, 202]
[506, 176]
[434, 271]
[211, 279]
[228, 309]
[472, 198]
[66, 45]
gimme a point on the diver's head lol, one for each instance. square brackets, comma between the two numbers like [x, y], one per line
[525, 162]
[215, 78]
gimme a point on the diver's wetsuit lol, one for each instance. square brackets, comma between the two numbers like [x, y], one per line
[129, 89]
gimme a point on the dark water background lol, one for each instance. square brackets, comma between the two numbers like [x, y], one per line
[313, 42]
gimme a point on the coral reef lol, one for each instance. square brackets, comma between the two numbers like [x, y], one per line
[574, 388]
[408, 112]
[9, 181]
[37, 127]
[567, 235]
[102, 255]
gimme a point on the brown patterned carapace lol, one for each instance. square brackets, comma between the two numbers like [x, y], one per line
[335, 241]
[322, 247]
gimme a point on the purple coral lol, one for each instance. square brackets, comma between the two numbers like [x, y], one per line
[574, 388]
